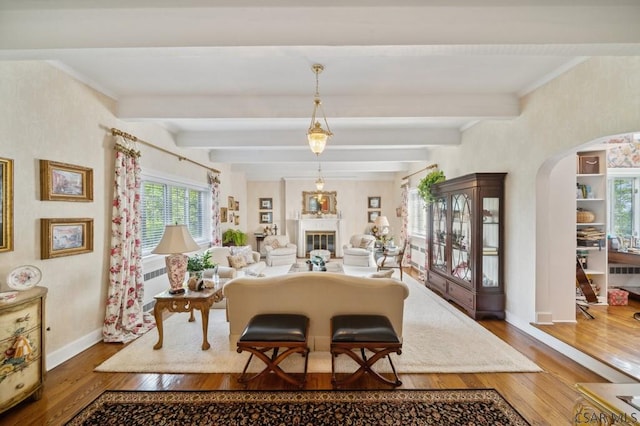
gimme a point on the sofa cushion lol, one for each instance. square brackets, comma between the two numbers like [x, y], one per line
[356, 251]
[245, 251]
[237, 261]
[366, 243]
[275, 243]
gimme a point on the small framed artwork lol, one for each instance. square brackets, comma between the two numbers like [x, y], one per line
[231, 203]
[232, 216]
[65, 182]
[237, 206]
[266, 217]
[372, 215]
[65, 237]
[266, 203]
[6, 204]
[223, 215]
[374, 203]
[236, 220]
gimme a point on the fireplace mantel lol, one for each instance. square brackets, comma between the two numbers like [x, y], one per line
[324, 224]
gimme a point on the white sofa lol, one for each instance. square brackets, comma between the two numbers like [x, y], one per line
[359, 250]
[220, 256]
[319, 295]
[283, 254]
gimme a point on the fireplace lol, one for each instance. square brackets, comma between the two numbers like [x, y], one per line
[325, 233]
[320, 240]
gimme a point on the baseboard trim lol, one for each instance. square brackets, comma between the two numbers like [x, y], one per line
[67, 352]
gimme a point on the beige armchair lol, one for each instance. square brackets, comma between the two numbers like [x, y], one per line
[279, 251]
[359, 250]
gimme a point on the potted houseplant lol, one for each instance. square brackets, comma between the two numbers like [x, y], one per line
[234, 237]
[197, 263]
[424, 187]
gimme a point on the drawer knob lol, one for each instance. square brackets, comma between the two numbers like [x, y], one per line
[19, 385]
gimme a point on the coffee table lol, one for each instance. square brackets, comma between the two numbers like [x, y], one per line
[334, 267]
[187, 302]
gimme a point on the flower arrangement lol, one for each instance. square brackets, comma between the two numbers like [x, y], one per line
[200, 261]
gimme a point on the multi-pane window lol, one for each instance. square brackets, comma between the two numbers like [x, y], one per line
[417, 214]
[624, 208]
[165, 203]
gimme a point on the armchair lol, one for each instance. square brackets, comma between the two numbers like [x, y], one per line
[392, 259]
[359, 250]
[279, 251]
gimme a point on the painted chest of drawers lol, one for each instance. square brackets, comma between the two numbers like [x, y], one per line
[22, 354]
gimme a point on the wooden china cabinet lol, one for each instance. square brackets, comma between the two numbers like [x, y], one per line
[465, 237]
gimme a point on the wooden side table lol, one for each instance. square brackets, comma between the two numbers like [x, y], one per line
[187, 302]
[600, 404]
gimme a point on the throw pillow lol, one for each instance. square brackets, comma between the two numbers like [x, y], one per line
[275, 243]
[382, 274]
[245, 251]
[365, 243]
[237, 261]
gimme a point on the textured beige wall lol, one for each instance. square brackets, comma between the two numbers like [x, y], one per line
[597, 98]
[45, 114]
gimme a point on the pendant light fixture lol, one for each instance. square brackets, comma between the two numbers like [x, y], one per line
[320, 180]
[316, 135]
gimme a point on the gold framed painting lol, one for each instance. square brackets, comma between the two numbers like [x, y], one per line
[314, 202]
[65, 237]
[6, 204]
[223, 214]
[65, 182]
[231, 204]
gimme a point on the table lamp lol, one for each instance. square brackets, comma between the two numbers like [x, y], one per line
[382, 223]
[174, 242]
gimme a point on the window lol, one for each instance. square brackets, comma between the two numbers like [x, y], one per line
[164, 202]
[417, 214]
[624, 206]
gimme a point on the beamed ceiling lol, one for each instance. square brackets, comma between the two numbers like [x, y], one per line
[232, 80]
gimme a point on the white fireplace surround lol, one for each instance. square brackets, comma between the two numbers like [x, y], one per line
[330, 224]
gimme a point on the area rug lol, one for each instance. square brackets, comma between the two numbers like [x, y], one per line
[397, 407]
[437, 338]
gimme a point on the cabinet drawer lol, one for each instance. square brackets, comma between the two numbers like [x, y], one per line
[460, 294]
[437, 282]
[18, 385]
[24, 316]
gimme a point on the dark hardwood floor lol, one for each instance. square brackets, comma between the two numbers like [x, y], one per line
[545, 398]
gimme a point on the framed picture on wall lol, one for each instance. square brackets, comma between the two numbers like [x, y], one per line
[266, 203]
[223, 214]
[65, 237]
[231, 203]
[65, 182]
[372, 215]
[236, 220]
[266, 217]
[6, 204]
[237, 206]
[374, 203]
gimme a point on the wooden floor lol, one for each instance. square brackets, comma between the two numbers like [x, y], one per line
[545, 398]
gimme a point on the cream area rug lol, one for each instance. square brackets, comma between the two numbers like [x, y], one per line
[437, 338]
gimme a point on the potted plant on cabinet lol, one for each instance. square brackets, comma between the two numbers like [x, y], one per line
[424, 187]
[234, 237]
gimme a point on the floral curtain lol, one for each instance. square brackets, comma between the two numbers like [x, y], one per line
[214, 188]
[125, 319]
[404, 231]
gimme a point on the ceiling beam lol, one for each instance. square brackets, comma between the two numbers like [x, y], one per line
[329, 155]
[286, 107]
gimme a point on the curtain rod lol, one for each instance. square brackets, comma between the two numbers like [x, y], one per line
[432, 166]
[118, 132]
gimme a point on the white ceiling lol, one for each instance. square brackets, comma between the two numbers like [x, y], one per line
[233, 79]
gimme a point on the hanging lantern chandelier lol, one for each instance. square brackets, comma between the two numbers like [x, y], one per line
[316, 135]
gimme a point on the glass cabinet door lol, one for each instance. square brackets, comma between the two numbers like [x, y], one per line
[491, 242]
[439, 237]
[461, 236]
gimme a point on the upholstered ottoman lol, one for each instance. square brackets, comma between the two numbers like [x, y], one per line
[267, 332]
[617, 297]
[364, 332]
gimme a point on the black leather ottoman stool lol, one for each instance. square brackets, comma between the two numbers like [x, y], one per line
[267, 332]
[364, 332]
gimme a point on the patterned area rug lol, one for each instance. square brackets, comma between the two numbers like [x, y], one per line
[371, 407]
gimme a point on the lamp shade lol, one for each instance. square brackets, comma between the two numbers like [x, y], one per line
[176, 239]
[381, 222]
